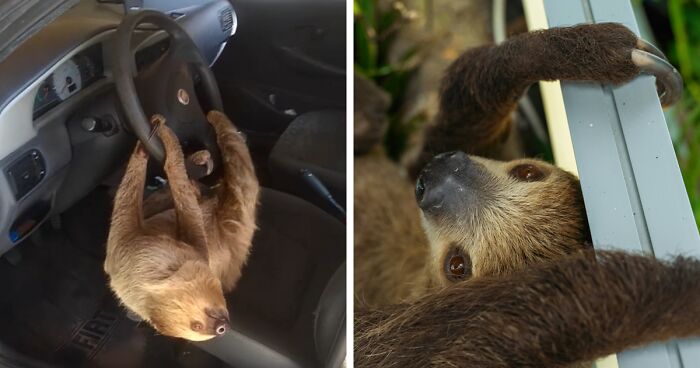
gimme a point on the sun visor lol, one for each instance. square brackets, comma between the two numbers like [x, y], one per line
[21, 19]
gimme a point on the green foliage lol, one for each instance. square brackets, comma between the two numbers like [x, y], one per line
[684, 52]
[375, 30]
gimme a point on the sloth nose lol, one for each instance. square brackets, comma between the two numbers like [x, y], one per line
[218, 320]
[222, 327]
[441, 181]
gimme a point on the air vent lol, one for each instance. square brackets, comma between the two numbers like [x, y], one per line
[226, 19]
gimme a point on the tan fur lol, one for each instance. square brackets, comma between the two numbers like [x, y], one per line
[519, 224]
[173, 268]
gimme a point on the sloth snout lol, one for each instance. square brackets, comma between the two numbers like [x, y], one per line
[445, 183]
[222, 327]
[218, 321]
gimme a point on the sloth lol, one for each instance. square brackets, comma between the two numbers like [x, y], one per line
[488, 263]
[171, 258]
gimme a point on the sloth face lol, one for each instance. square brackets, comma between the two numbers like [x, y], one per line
[485, 217]
[190, 304]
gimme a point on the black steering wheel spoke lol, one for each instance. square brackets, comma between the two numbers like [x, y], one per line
[166, 86]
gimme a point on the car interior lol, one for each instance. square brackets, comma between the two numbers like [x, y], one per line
[73, 102]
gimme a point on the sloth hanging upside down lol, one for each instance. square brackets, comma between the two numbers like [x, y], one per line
[502, 273]
[171, 258]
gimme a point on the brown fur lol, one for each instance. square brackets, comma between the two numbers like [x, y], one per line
[529, 300]
[390, 246]
[370, 119]
[481, 88]
[549, 315]
[173, 268]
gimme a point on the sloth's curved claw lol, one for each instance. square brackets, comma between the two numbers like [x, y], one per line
[669, 83]
[156, 121]
[201, 161]
[648, 47]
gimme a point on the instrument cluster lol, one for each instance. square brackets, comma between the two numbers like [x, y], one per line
[74, 75]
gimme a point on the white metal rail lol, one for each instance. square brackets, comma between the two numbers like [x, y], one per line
[632, 185]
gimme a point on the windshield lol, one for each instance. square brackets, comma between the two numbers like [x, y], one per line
[20, 19]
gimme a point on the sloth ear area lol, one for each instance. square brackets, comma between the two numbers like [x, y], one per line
[164, 279]
[189, 270]
[175, 274]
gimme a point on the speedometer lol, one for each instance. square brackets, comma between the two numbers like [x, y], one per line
[67, 80]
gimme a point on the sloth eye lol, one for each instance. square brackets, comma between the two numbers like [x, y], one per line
[458, 266]
[527, 172]
[197, 326]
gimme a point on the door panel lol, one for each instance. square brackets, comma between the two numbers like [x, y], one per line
[286, 58]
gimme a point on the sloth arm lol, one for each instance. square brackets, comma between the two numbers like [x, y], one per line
[552, 315]
[481, 88]
[127, 214]
[190, 221]
[162, 199]
[238, 195]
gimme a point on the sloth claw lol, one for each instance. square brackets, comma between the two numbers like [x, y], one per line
[650, 60]
[156, 122]
[203, 160]
[643, 45]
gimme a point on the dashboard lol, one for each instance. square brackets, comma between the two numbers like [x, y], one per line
[83, 70]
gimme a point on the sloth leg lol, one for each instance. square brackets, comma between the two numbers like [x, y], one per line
[190, 222]
[237, 199]
[553, 315]
[481, 88]
[127, 215]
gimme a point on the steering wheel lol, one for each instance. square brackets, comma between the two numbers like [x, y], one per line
[166, 87]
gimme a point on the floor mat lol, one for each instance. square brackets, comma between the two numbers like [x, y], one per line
[55, 304]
